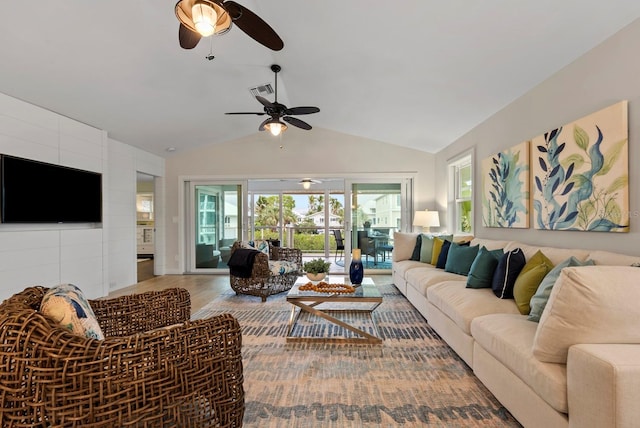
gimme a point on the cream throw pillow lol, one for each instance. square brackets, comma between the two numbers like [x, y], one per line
[589, 304]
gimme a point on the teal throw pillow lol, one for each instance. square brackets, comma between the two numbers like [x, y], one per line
[483, 268]
[539, 300]
[460, 258]
[426, 248]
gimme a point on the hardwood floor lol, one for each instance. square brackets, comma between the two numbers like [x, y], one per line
[202, 288]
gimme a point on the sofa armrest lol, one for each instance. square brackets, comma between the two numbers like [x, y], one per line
[603, 385]
[138, 313]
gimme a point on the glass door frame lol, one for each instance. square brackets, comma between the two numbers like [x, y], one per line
[187, 240]
[406, 207]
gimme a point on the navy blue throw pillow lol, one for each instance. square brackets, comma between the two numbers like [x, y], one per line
[444, 252]
[504, 277]
[416, 250]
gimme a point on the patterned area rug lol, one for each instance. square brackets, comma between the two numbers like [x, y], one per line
[413, 379]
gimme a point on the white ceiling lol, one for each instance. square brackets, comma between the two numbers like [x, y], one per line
[416, 73]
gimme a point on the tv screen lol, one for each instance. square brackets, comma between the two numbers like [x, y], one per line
[38, 192]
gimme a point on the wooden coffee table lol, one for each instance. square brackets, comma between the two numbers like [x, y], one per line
[365, 299]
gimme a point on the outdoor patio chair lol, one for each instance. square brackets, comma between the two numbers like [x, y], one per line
[339, 245]
[154, 367]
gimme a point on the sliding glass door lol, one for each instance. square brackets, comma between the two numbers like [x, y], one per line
[214, 222]
[378, 209]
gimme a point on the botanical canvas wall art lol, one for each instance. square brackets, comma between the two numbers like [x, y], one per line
[581, 174]
[505, 184]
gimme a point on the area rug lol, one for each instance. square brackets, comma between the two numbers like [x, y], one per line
[412, 379]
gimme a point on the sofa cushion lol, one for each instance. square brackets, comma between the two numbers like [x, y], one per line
[403, 245]
[262, 246]
[67, 305]
[509, 338]
[612, 259]
[415, 255]
[541, 296]
[402, 267]
[490, 244]
[483, 268]
[282, 267]
[556, 255]
[589, 304]
[423, 278]
[463, 304]
[528, 280]
[504, 278]
[426, 248]
[460, 258]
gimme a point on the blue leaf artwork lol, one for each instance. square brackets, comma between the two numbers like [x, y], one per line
[505, 182]
[581, 174]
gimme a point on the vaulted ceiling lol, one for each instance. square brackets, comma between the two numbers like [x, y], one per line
[416, 73]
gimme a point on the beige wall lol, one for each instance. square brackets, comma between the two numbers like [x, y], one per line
[316, 153]
[605, 75]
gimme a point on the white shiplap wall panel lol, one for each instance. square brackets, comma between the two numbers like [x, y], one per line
[122, 215]
[73, 128]
[16, 280]
[81, 260]
[28, 132]
[30, 113]
[81, 161]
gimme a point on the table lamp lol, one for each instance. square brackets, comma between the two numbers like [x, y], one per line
[426, 219]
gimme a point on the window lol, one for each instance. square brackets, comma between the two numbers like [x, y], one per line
[461, 193]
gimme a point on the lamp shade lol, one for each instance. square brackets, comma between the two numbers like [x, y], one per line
[426, 219]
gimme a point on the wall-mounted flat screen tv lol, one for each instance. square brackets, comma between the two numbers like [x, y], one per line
[38, 192]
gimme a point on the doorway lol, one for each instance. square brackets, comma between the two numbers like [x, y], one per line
[145, 226]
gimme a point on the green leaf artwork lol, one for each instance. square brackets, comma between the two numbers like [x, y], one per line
[581, 174]
[505, 183]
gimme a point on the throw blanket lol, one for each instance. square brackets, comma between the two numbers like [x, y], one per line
[241, 262]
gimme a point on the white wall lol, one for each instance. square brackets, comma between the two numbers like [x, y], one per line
[124, 162]
[605, 75]
[314, 153]
[88, 254]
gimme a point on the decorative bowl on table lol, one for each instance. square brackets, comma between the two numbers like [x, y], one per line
[316, 276]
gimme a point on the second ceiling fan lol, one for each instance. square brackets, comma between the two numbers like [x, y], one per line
[278, 111]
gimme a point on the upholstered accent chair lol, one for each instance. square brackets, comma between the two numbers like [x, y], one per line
[154, 368]
[274, 269]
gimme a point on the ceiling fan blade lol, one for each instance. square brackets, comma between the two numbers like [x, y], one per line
[188, 39]
[248, 112]
[261, 127]
[253, 25]
[265, 102]
[297, 122]
[302, 110]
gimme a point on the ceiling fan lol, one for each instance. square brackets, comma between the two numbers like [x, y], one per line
[278, 111]
[203, 18]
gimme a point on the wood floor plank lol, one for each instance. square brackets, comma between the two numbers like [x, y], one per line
[202, 288]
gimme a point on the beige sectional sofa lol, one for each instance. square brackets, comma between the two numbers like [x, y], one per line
[578, 367]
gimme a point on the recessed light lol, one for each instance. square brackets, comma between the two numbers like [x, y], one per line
[170, 149]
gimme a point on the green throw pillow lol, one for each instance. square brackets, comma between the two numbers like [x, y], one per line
[529, 279]
[426, 248]
[539, 300]
[460, 258]
[483, 268]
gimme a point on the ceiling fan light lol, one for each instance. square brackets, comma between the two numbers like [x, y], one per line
[276, 127]
[204, 18]
[306, 184]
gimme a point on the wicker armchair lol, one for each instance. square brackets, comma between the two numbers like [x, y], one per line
[188, 374]
[262, 282]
